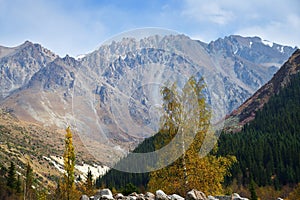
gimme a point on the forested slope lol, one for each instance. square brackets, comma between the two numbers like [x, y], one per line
[268, 148]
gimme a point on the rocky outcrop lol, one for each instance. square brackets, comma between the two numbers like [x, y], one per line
[106, 194]
[19, 64]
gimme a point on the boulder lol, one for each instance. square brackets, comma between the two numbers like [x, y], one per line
[149, 196]
[107, 197]
[119, 196]
[223, 197]
[132, 198]
[84, 197]
[236, 196]
[104, 194]
[136, 196]
[140, 197]
[195, 195]
[160, 195]
[176, 197]
[212, 198]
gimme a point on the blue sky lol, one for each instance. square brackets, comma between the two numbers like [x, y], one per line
[79, 26]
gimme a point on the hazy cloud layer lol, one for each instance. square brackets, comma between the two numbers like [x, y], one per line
[75, 27]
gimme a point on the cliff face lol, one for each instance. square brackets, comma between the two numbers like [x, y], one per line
[19, 64]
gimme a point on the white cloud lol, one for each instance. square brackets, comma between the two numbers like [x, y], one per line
[209, 11]
[274, 20]
[77, 27]
[285, 32]
[51, 24]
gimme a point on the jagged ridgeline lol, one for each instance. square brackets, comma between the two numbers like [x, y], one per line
[267, 149]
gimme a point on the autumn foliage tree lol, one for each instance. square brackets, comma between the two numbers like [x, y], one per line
[187, 117]
[68, 184]
[295, 194]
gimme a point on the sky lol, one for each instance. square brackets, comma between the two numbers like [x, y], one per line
[77, 27]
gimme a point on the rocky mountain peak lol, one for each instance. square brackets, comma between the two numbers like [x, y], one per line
[253, 49]
[19, 64]
[27, 43]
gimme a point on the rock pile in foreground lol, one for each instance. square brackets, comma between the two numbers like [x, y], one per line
[106, 194]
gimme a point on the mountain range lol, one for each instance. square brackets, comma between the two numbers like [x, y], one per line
[111, 96]
[265, 141]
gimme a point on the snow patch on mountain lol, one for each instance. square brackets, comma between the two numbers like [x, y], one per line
[57, 165]
[97, 170]
[282, 49]
[267, 42]
[80, 57]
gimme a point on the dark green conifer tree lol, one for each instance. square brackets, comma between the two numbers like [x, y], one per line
[252, 190]
[11, 178]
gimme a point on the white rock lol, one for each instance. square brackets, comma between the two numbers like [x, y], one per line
[160, 195]
[104, 194]
[132, 197]
[176, 197]
[195, 195]
[84, 197]
[108, 197]
[236, 196]
[149, 196]
[140, 197]
[119, 196]
[212, 198]
[134, 194]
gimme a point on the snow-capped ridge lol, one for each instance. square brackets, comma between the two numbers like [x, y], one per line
[80, 57]
[267, 42]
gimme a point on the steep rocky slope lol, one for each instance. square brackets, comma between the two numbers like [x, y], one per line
[19, 64]
[246, 112]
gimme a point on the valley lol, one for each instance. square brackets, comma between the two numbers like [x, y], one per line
[111, 99]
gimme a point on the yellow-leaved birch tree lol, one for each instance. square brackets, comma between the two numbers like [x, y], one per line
[68, 185]
[185, 113]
